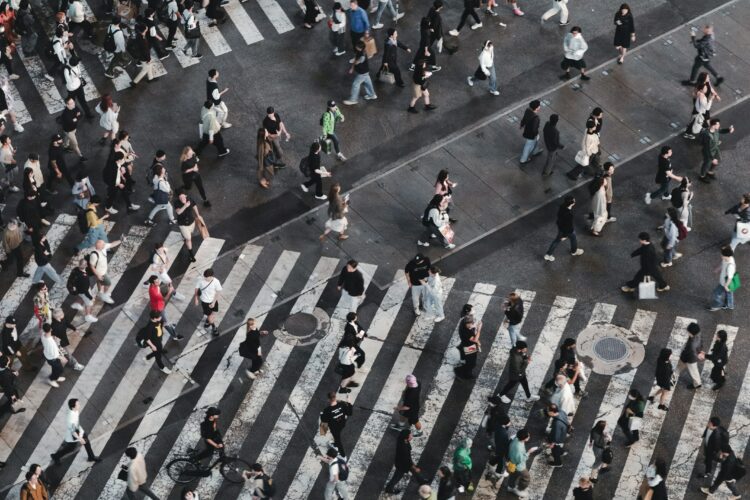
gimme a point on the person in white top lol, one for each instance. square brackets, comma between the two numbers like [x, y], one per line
[207, 292]
[7, 99]
[486, 68]
[137, 475]
[563, 395]
[98, 266]
[52, 355]
[120, 57]
[160, 263]
[108, 113]
[574, 47]
[338, 29]
[74, 435]
[74, 83]
[723, 297]
[335, 481]
[78, 20]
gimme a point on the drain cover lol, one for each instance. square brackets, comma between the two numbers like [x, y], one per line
[301, 324]
[304, 328]
[610, 349]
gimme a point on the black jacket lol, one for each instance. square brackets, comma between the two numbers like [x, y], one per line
[719, 354]
[10, 345]
[350, 338]
[28, 212]
[502, 442]
[352, 282]
[551, 136]
[649, 262]
[530, 124]
[692, 347]
[403, 461]
[719, 439]
[515, 313]
[728, 470]
[390, 53]
[436, 25]
[565, 219]
[664, 374]
[42, 251]
[8, 381]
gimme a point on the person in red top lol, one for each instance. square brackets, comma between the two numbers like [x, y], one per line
[157, 301]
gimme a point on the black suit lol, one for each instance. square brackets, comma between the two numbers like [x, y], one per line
[8, 381]
[649, 266]
[351, 340]
[390, 58]
[719, 438]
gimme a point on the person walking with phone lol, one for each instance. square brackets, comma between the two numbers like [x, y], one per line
[705, 46]
[518, 362]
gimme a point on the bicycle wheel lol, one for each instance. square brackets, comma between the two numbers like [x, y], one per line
[183, 470]
[232, 469]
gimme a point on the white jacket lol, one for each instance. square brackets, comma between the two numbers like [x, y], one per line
[108, 119]
[590, 143]
[439, 218]
[486, 60]
[564, 399]
[728, 268]
[339, 22]
[76, 13]
[137, 472]
[574, 47]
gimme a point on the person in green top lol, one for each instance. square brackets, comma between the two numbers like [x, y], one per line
[462, 465]
[519, 479]
[710, 147]
[328, 122]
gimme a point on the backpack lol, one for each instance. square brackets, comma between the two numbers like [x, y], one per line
[83, 224]
[304, 166]
[426, 216]
[677, 197]
[343, 469]
[682, 231]
[269, 489]
[109, 40]
[141, 337]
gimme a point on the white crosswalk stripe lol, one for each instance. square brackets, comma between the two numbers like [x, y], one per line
[14, 100]
[242, 21]
[212, 35]
[47, 90]
[276, 15]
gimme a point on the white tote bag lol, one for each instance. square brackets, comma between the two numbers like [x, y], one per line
[635, 423]
[697, 125]
[742, 229]
[582, 158]
[647, 289]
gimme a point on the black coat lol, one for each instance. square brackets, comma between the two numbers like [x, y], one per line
[436, 25]
[530, 124]
[353, 282]
[551, 136]
[664, 375]
[403, 461]
[565, 219]
[649, 262]
[390, 54]
[719, 439]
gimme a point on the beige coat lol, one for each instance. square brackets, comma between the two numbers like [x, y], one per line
[137, 473]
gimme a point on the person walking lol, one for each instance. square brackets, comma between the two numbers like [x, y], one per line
[723, 295]
[665, 379]
[574, 48]
[274, 128]
[8, 163]
[250, 349]
[151, 335]
[361, 70]
[95, 226]
[624, 31]
[389, 63]
[78, 285]
[187, 217]
[337, 24]
[648, 266]
[191, 173]
[211, 435]
[599, 440]
[403, 462]
[486, 68]
[266, 159]
[359, 24]
[462, 465]
[338, 206]
[338, 472]
[108, 113]
[137, 475]
[433, 297]
[316, 172]
[587, 158]
[97, 261]
[351, 284]
[70, 118]
[60, 327]
[656, 477]
[121, 59]
[519, 480]
[552, 143]
[157, 302]
[207, 292]
[631, 419]
[419, 87]
[56, 164]
[430, 37]
[382, 5]
[347, 356]
[719, 355]
[470, 7]
[704, 96]
[518, 362]
[530, 126]
[417, 272]
[333, 418]
[691, 354]
[741, 211]
[714, 439]
[710, 143]
[705, 46]
[557, 434]
[560, 6]
[408, 407]
[664, 175]
[333, 115]
[682, 198]
[117, 177]
[9, 386]
[74, 83]
[33, 488]
[565, 229]
[42, 256]
[584, 490]
[74, 435]
[160, 195]
[211, 130]
[13, 238]
[192, 31]
[141, 48]
[673, 231]
[469, 333]
[730, 470]
[12, 346]
[513, 310]
[215, 95]
[598, 188]
[436, 223]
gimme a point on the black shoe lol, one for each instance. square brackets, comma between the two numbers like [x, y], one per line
[178, 337]
[402, 85]
[23, 275]
[688, 83]
[705, 179]
[651, 399]
[214, 330]
[352, 384]
[565, 76]
[452, 221]
[412, 109]
[663, 407]
[2, 464]
[279, 164]
[20, 410]
[717, 386]
[55, 459]
[83, 159]
[96, 460]
[192, 259]
[344, 390]
[719, 81]
[593, 480]
[429, 107]
[694, 387]
[394, 491]
[206, 203]
[585, 78]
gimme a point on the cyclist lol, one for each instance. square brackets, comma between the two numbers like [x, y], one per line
[211, 434]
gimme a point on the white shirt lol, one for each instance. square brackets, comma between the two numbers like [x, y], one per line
[208, 289]
[99, 260]
[72, 77]
[333, 470]
[72, 426]
[75, 12]
[172, 10]
[728, 268]
[486, 60]
[574, 47]
[37, 169]
[49, 344]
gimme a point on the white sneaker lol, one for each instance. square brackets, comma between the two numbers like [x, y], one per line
[60, 379]
[453, 32]
[341, 157]
[550, 258]
[450, 246]
[133, 207]
[178, 296]
[460, 489]
[371, 97]
[226, 125]
[533, 397]
[470, 81]
[476, 26]
[304, 188]
[105, 297]
[677, 255]
[423, 244]
[90, 319]
[666, 264]
[377, 26]
[53, 383]
[522, 338]
[438, 320]
[647, 198]
[417, 311]
[399, 16]
[166, 370]
[666, 197]
[578, 252]
[19, 128]
[349, 103]
[495, 92]
[323, 197]
[76, 306]
[250, 374]
[79, 367]
[505, 399]
[112, 210]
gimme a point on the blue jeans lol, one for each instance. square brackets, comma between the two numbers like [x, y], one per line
[513, 332]
[381, 9]
[722, 298]
[493, 81]
[668, 252]
[558, 239]
[357, 84]
[45, 269]
[529, 147]
[94, 233]
[662, 190]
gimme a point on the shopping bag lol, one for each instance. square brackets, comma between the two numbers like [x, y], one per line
[735, 283]
[635, 423]
[582, 158]
[647, 289]
[447, 233]
[742, 229]
[697, 125]
[202, 228]
[387, 77]
[370, 47]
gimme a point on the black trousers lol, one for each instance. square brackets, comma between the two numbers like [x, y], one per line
[656, 275]
[208, 451]
[157, 355]
[67, 447]
[631, 436]
[188, 180]
[256, 362]
[114, 192]
[467, 369]
[336, 433]
[697, 63]
[172, 30]
[158, 46]
[512, 385]
[464, 15]
[52, 180]
[317, 181]
[356, 37]
[218, 142]
[80, 96]
[419, 56]
[18, 256]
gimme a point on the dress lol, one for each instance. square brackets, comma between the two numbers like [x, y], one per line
[337, 221]
[624, 28]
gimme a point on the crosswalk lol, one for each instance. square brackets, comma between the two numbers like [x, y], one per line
[95, 59]
[276, 282]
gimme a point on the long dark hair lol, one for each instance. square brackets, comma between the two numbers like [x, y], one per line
[436, 201]
[442, 176]
[664, 356]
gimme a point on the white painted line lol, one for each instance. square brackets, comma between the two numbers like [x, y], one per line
[615, 395]
[683, 460]
[162, 404]
[19, 107]
[116, 337]
[211, 34]
[51, 97]
[242, 21]
[471, 417]
[180, 43]
[122, 80]
[639, 455]
[276, 15]
[159, 69]
[261, 388]
[381, 324]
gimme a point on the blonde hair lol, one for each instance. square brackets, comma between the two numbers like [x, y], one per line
[184, 154]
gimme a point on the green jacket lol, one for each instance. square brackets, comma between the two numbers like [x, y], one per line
[517, 454]
[710, 142]
[462, 458]
[329, 121]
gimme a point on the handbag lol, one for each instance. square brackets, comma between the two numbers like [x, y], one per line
[607, 455]
[202, 228]
[697, 124]
[735, 283]
[244, 349]
[470, 349]
[582, 158]
[479, 74]
[635, 423]
[742, 231]
[123, 474]
[447, 233]
[387, 77]
[647, 289]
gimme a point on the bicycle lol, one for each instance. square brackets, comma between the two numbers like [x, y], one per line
[186, 468]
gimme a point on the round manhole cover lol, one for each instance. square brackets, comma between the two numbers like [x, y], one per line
[301, 324]
[610, 349]
[304, 328]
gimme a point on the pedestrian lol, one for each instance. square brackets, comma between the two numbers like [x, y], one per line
[598, 188]
[705, 46]
[78, 285]
[12, 347]
[151, 335]
[8, 163]
[338, 473]
[730, 471]
[95, 225]
[518, 362]
[674, 231]
[12, 239]
[530, 126]
[599, 440]
[160, 264]
[691, 353]
[656, 477]
[157, 302]
[56, 164]
[665, 379]
[207, 292]
[557, 434]
[359, 25]
[74, 83]
[60, 46]
[351, 284]
[42, 256]
[262, 484]
[191, 173]
[211, 435]
[408, 408]
[585, 489]
[121, 59]
[631, 419]
[215, 95]
[514, 310]
[60, 327]
[266, 159]
[469, 333]
[7, 105]
[403, 462]
[160, 195]
[703, 98]
[664, 175]
[382, 4]
[347, 356]
[486, 68]
[333, 418]
[25, 26]
[331, 116]
[69, 119]
[33, 488]
[562, 396]
[250, 349]
[74, 435]
[710, 143]
[97, 262]
[648, 266]
[187, 217]
[433, 297]
[119, 181]
[560, 6]
[29, 212]
[446, 484]
[587, 158]
[338, 206]
[337, 24]
[216, 13]
[714, 439]
[519, 480]
[552, 143]
[312, 11]
[497, 425]
[436, 223]
[274, 128]
[137, 475]
[470, 7]
[192, 31]
[624, 31]
[574, 47]
[42, 306]
[741, 211]
[77, 19]
[361, 70]
[108, 113]
[211, 130]
[417, 272]
[682, 198]
[565, 229]
[315, 171]
[141, 49]
[430, 32]
[419, 87]
[390, 55]
[9, 386]
[719, 357]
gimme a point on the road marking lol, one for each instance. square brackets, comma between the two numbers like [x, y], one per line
[18, 106]
[180, 42]
[211, 34]
[242, 21]
[122, 80]
[276, 15]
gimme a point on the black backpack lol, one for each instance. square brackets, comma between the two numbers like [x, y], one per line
[426, 216]
[109, 40]
[343, 469]
[677, 197]
[83, 224]
[269, 489]
[740, 470]
[304, 166]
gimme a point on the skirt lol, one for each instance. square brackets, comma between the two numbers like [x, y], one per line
[337, 225]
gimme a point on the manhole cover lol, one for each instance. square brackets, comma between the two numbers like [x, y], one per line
[610, 349]
[304, 328]
[301, 324]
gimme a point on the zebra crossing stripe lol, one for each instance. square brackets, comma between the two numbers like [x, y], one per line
[640, 453]
[493, 367]
[261, 388]
[614, 396]
[739, 428]
[443, 380]
[242, 21]
[122, 80]
[161, 405]
[276, 15]
[377, 423]
[309, 470]
[47, 90]
[15, 103]
[683, 460]
[179, 50]
[211, 34]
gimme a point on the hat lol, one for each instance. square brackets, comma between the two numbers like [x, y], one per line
[213, 411]
[10, 320]
[331, 103]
